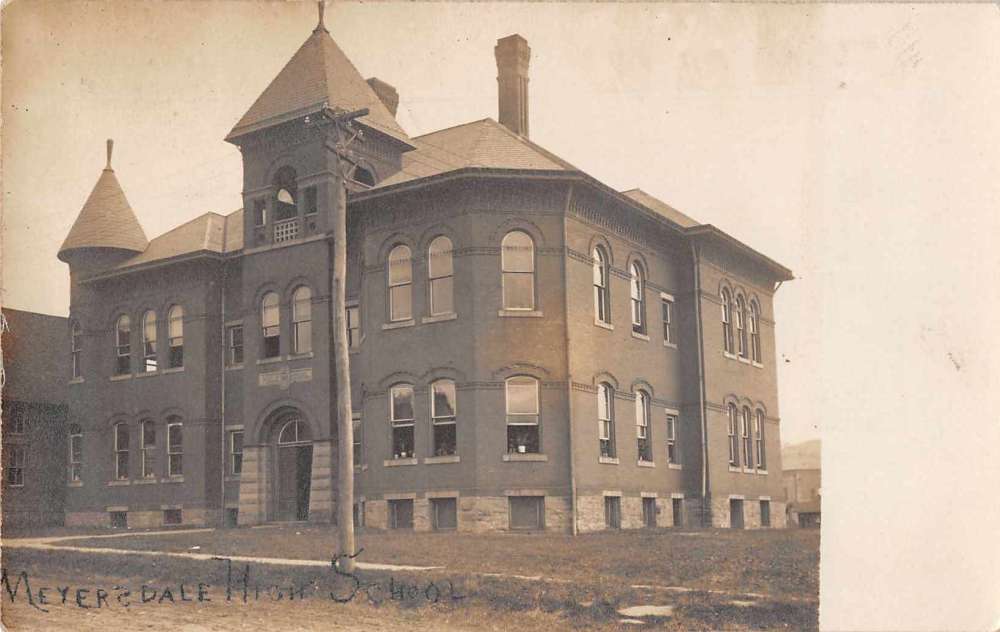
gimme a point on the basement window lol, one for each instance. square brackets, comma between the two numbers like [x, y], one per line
[401, 514]
[444, 513]
[171, 516]
[119, 519]
[613, 512]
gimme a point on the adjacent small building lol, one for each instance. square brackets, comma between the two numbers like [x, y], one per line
[35, 438]
[529, 347]
[802, 481]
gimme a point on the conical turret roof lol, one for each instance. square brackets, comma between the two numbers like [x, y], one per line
[106, 219]
[318, 75]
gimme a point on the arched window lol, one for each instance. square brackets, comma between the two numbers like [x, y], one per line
[75, 452]
[147, 449]
[123, 347]
[522, 414]
[270, 320]
[606, 419]
[302, 320]
[755, 330]
[602, 293]
[741, 324]
[443, 417]
[284, 198]
[148, 342]
[76, 349]
[121, 451]
[293, 431]
[400, 284]
[440, 272]
[517, 261]
[175, 336]
[363, 176]
[643, 440]
[175, 447]
[747, 439]
[402, 420]
[759, 438]
[734, 442]
[637, 287]
[727, 320]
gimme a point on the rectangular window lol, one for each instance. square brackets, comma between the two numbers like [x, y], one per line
[613, 512]
[672, 439]
[259, 213]
[678, 509]
[310, 201]
[667, 308]
[271, 323]
[172, 516]
[522, 415]
[13, 419]
[765, 513]
[175, 449]
[444, 513]
[353, 327]
[236, 452]
[119, 519]
[147, 433]
[401, 514]
[75, 454]
[443, 417]
[121, 452]
[526, 512]
[14, 468]
[358, 440]
[402, 420]
[76, 349]
[649, 512]
[400, 284]
[175, 336]
[148, 342]
[234, 338]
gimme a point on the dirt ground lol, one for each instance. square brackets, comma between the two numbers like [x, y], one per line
[720, 580]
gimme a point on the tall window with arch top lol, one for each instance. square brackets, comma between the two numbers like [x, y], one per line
[522, 415]
[602, 292]
[302, 320]
[759, 439]
[175, 336]
[517, 262]
[637, 287]
[734, 443]
[755, 330]
[75, 452]
[643, 440]
[285, 195]
[440, 272]
[76, 349]
[148, 342]
[400, 284]
[741, 325]
[402, 419]
[727, 320]
[123, 345]
[270, 321]
[606, 419]
[443, 417]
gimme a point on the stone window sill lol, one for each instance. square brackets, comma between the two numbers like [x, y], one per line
[670, 345]
[176, 369]
[120, 483]
[448, 458]
[271, 360]
[610, 460]
[76, 380]
[733, 468]
[516, 456]
[119, 378]
[301, 356]
[235, 367]
[172, 479]
[639, 336]
[398, 325]
[144, 481]
[645, 464]
[74, 484]
[438, 318]
[763, 472]
[675, 466]
[519, 313]
[758, 365]
[743, 360]
[147, 374]
[728, 355]
[748, 470]
[604, 325]
[399, 462]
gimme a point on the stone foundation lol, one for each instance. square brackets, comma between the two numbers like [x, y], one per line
[321, 491]
[475, 514]
[253, 492]
[87, 519]
[751, 513]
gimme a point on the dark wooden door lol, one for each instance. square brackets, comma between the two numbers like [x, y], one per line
[294, 475]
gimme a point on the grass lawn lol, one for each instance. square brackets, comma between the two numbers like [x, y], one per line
[781, 563]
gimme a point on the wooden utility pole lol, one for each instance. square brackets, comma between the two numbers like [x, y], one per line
[338, 127]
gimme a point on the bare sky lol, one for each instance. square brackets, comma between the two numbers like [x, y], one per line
[858, 145]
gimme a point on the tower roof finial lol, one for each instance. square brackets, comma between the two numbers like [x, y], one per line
[111, 148]
[320, 26]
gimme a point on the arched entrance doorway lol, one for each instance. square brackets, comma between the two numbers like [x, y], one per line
[294, 464]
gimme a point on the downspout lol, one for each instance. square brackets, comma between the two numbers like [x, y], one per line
[222, 401]
[705, 506]
[569, 374]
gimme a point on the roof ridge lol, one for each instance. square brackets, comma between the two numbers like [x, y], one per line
[450, 127]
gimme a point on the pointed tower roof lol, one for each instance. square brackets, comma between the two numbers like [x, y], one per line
[318, 75]
[106, 219]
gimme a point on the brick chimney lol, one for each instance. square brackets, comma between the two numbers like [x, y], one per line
[513, 54]
[385, 93]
